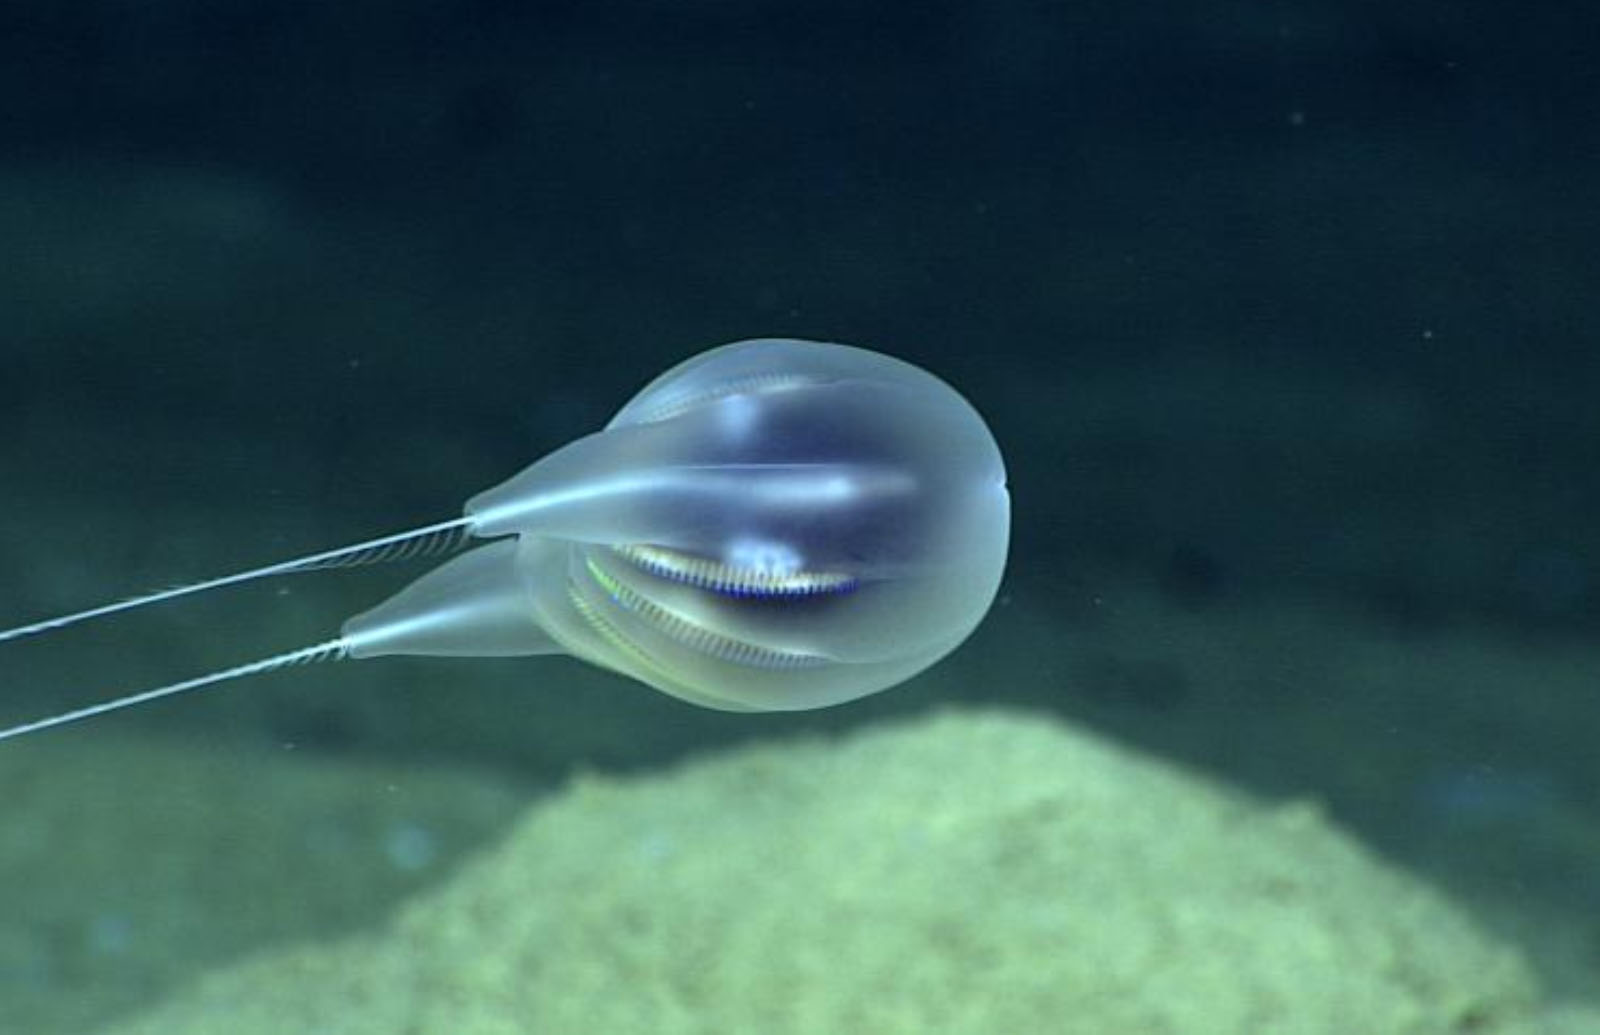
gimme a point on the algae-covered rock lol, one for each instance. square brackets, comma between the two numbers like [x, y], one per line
[967, 873]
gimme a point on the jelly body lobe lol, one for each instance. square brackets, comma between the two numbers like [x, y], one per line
[770, 525]
[766, 542]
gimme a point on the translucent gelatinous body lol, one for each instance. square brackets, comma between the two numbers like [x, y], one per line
[772, 524]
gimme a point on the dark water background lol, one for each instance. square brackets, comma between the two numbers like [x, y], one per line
[1283, 312]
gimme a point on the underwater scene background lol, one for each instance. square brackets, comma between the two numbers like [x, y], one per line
[1283, 316]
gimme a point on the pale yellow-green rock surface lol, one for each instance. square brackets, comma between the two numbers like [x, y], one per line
[972, 872]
